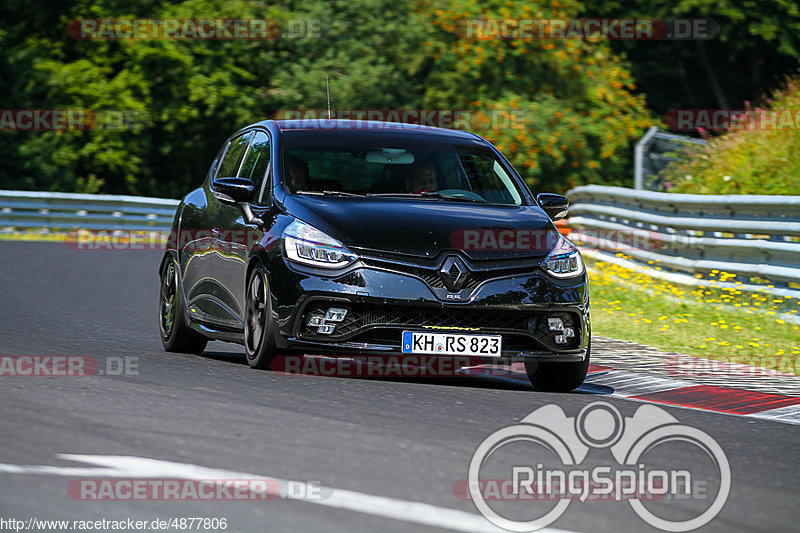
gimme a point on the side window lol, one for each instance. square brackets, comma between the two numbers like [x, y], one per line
[256, 163]
[230, 163]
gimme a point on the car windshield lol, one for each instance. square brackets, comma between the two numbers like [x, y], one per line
[395, 164]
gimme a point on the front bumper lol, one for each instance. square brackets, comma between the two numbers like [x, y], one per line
[383, 301]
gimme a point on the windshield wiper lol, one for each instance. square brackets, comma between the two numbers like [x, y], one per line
[428, 194]
[436, 194]
[332, 193]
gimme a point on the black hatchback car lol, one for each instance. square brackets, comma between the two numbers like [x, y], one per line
[350, 237]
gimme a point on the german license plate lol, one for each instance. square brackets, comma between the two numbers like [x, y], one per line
[452, 344]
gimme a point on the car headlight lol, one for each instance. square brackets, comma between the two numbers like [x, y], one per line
[307, 245]
[564, 260]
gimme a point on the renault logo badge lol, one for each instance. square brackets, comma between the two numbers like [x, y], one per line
[454, 273]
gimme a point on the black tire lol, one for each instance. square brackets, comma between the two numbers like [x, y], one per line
[259, 339]
[176, 336]
[557, 377]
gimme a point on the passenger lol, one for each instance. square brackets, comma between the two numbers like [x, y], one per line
[298, 174]
[424, 178]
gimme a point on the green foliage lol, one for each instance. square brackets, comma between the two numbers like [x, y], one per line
[757, 45]
[578, 113]
[748, 161]
[575, 112]
[195, 92]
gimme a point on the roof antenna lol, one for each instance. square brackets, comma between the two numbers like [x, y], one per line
[328, 92]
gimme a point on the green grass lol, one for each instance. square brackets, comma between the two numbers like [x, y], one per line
[32, 236]
[721, 324]
[758, 158]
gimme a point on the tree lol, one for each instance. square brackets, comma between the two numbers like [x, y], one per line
[578, 113]
[757, 45]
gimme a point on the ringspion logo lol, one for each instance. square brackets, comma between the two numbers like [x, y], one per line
[518, 471]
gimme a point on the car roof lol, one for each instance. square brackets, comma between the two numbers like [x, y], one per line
[361, 125]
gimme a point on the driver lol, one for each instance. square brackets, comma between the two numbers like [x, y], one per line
[424, 178]
[298, 174]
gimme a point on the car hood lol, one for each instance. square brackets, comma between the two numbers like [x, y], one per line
[425, 228]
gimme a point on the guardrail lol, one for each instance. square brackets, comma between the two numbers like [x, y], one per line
[757, 238]
[66, 211]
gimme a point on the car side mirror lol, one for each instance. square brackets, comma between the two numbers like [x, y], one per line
[238, 191]
[555, 205]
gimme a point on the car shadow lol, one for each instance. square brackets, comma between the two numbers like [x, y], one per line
[227, 357]
[487, 376]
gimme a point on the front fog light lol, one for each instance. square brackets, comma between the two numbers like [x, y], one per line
[335, 314]
[564, 260]
[307, 245]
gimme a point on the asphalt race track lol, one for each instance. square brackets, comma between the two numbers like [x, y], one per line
[391, 450]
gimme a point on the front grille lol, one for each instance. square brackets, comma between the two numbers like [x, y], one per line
[369, 322]
[433, 279]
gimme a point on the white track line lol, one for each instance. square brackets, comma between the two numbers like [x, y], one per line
[789, 414]
[627, 383]
[123, 466]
